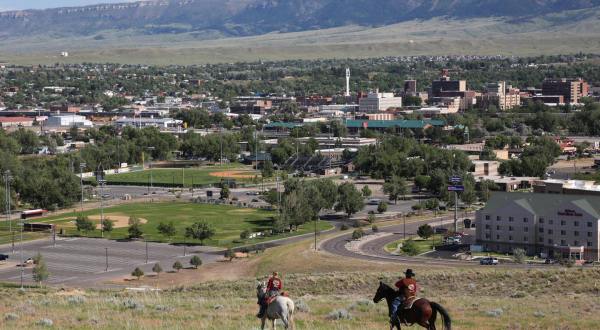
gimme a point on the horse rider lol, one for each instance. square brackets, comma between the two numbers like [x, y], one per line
[274, 287]
[407, 290]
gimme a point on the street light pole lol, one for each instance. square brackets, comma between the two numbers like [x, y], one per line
[102, 182]
[7, 178]
[404, 225]
[150, 165]
[81, 167]
[106, 250]
[145, 240]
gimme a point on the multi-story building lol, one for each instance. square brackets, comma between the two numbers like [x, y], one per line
[552, 225]
[500, 95]
[379, 102]
[410, 87]
[571, 89]
[440, 87]
[68, 121]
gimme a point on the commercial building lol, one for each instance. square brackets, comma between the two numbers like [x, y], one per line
[148, 122]
[379, 102]
[354, 126]
[68, 121]
[571, 89]
[16, 122]
[573, 187]
[552, 225]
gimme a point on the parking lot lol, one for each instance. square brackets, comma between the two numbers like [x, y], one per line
[83, 261]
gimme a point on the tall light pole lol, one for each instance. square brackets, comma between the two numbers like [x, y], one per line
[102, 183]
[81, 167]
[7, 179]
[150, 164]
[106, 250]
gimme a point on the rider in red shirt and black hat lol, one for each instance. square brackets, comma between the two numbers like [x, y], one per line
[407, 289]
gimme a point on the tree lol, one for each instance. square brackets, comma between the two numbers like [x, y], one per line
[358, 233]
[485, 188]
[366, 191]
[519, 255]
[200, 231]
[40, 270]
[422, 181]
[395, 188]
[229, 254]
[137, 272]
[108, 225]
[371, 218]
[225, 192]
[157, 269]
[135, 228]
[245, 234]
[425, 231]
[196, 262]
[409, 247]
[382, 207]
[177, 266]
[84, 224]
[267, 169]
[167, 229]
[350, 200]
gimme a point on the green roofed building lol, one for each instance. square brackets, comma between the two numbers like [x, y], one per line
[354, 126]
[546, 225]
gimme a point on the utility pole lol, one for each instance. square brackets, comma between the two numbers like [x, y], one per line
[106, 250]
[7, 179]
[102, 183]
[404, 225]
[81, 167]
[150, 164]
[145, 240]
[455, 212]
[221, 145]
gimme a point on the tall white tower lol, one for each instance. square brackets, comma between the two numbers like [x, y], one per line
[347, 82]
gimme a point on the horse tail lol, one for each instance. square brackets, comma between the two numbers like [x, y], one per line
[445, 316]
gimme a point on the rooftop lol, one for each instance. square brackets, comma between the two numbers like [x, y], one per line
[545, 204]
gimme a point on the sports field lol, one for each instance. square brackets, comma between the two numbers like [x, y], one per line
[227, 221]
[186, 176]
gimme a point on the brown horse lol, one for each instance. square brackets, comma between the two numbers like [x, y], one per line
[422, 312]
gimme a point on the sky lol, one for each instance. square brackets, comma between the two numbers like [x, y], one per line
[42, 4]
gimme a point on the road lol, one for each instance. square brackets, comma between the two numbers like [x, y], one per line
[373, 250]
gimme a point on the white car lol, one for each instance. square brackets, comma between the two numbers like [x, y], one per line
[488, 261]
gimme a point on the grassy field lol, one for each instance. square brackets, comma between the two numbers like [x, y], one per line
[554, 299]
[197, 176]
[228, 221]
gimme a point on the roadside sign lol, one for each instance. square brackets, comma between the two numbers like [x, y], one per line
[456, 188]
[455, 179]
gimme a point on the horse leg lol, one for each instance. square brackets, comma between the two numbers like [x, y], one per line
[424, 324]
[284, 319]
[262, 326]
[273, 323]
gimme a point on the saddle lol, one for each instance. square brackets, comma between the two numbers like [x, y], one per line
[408, 303]
[271, 299]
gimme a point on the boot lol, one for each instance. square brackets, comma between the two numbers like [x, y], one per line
[261, 311]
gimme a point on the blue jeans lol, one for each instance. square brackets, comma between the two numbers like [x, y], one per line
[395, 305]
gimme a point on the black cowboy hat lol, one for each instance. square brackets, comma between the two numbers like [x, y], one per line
[409, 273]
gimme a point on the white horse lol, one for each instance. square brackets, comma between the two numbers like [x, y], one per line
[281, 308]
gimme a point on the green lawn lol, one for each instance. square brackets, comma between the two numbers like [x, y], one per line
[228, 221]
[421, 244]
[195, 175]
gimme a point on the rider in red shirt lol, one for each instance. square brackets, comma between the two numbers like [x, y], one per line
[274, 286]
[275, 283]
[407, 289]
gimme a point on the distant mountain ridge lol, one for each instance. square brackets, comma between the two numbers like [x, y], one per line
[255, 17]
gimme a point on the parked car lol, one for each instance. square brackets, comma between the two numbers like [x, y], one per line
[3, 257]
[374, 201]
[253, 193]
[549, 261]
[488, 261]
